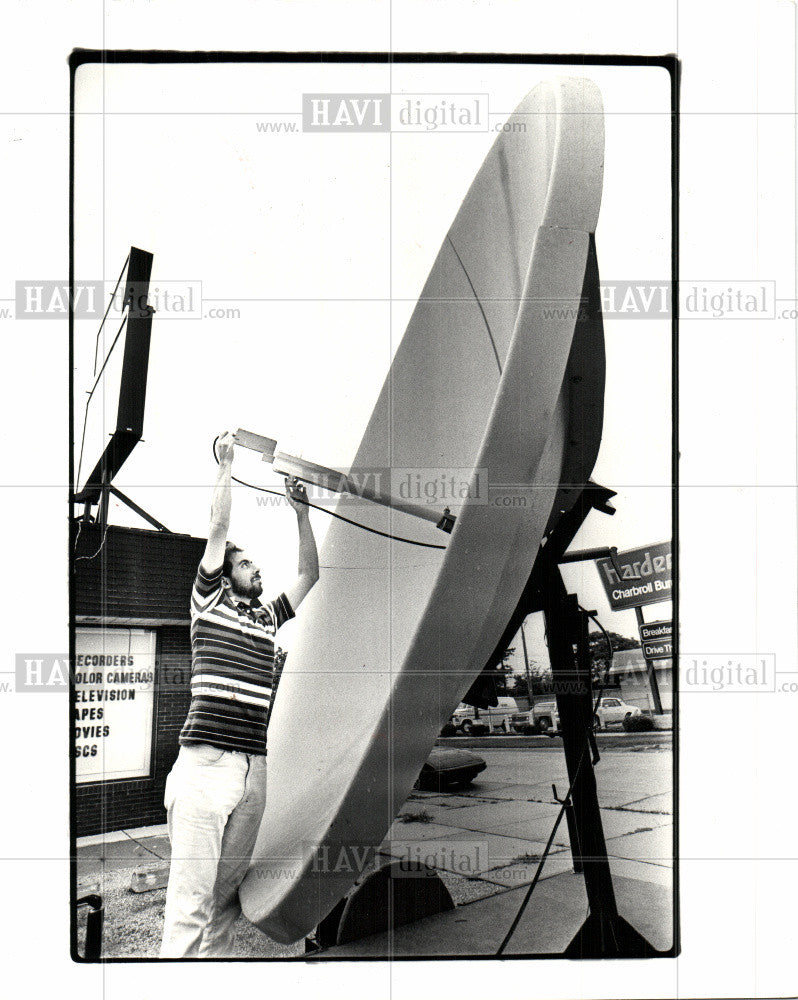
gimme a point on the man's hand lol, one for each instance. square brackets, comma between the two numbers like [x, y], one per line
[225, 447]
[308, 569]
[296, 495]
[220, 505]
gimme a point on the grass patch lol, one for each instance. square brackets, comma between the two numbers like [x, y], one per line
[415, 817]
[524, 859]
[134, 924]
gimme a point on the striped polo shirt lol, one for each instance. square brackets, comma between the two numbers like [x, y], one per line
[233, 676]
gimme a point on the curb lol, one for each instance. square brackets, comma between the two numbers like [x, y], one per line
[605, 741]
[128, 833]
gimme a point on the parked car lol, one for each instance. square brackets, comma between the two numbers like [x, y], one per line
[543, 716]
[612, 711]
[539, 719]
[469, 721]
[447, 769]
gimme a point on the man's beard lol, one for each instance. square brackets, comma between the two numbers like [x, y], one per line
[253, 589]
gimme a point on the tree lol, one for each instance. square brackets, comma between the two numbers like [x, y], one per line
[503, 673]
[599, 653]
[541, 681]
[506, 659]
[520, 686]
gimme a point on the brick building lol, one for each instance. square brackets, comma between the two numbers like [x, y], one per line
[132, 670]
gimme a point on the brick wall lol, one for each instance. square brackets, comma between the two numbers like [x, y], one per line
[115, 805]
[136, 573]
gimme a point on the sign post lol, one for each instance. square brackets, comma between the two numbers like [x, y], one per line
[636, 578]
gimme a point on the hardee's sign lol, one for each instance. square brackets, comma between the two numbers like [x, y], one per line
[645, 577]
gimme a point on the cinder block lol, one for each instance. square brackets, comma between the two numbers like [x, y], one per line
[152, 877]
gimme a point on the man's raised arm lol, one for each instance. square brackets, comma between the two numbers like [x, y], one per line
[213, 556]
[308, 570]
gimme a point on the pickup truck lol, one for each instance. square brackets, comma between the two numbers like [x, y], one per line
[539, 719]
[495, 719]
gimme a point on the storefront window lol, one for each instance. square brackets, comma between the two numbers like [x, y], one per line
[113, 710]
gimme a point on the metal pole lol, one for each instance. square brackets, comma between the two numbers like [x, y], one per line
[576, 721]
[105, 496]
[605, 932]
[337, 482]
[138, 510]
[526, 664]
[94, 926]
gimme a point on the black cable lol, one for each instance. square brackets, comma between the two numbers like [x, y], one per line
[543, 858]
[565, 801]
[332, 513]
[611, 652]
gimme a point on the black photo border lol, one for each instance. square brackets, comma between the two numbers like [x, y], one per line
[669, 62]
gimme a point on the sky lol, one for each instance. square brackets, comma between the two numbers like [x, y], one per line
[322, 242]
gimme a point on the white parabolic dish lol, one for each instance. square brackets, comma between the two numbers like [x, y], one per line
[393, 635]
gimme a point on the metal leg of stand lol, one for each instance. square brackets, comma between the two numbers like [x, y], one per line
[573, 830]
[102, 510]
[605, 933]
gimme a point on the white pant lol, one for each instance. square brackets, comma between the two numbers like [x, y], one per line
[214, 802]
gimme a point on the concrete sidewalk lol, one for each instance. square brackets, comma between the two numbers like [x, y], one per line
[499, 828]
[486, 842]
[135, 848]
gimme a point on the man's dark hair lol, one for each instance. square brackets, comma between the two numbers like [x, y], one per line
[230, 550]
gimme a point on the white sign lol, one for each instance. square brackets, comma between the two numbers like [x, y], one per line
[113, 710]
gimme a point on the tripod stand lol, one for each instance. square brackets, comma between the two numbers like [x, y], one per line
[605, 933]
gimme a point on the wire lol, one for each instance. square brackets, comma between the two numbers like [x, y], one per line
[332, 513]
[479, 303]
[105, 362]
[543, 857]
[110, 302]
[77, 536]
[565, 801]
[91, 394]
[99, 550]
[611, 652]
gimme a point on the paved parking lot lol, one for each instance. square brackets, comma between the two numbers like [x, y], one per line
[510, 809]
[485, 841]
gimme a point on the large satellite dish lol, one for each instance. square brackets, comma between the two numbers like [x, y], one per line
[497, 376]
